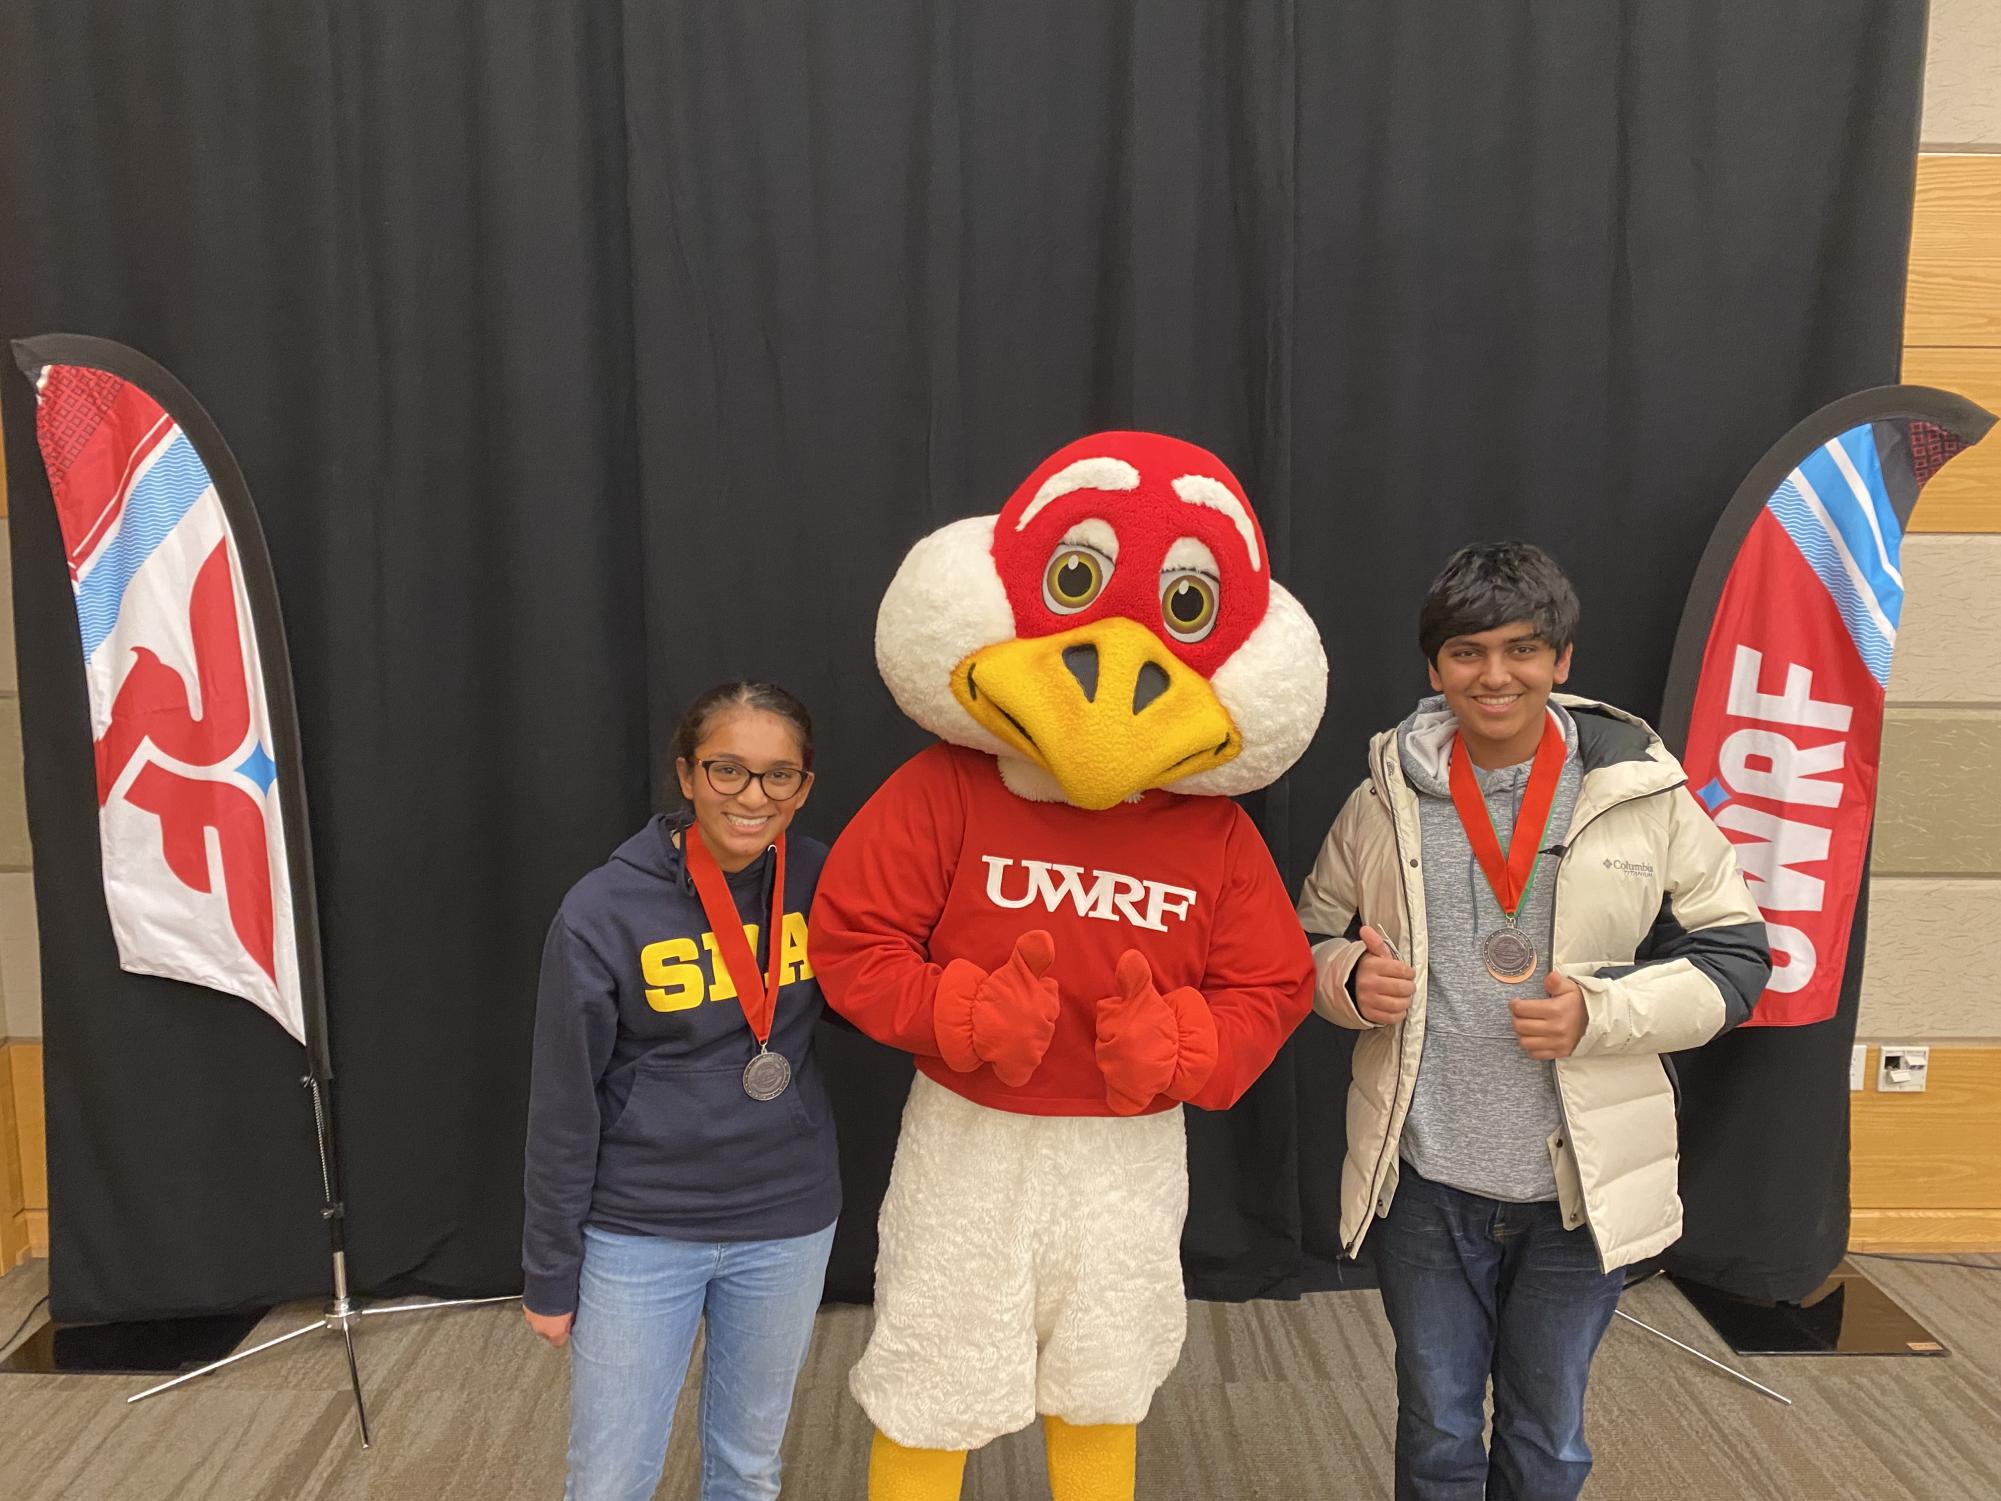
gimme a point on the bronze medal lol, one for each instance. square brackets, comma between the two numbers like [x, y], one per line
[1510, 958]
[1508, 954]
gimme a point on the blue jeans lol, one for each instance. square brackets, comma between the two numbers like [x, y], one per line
[1478, 1288]
[638, 1303]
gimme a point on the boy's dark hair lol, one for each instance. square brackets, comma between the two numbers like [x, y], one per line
[724, 697]
[1492, 584]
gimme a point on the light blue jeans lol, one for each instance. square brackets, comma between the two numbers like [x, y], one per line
[639, 1301]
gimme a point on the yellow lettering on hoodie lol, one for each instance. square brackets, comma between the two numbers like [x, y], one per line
[676, 980]
[723, 988]
[792, 963]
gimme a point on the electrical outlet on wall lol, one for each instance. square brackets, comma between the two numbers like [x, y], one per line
[1902, 1068]
[1858, 1067]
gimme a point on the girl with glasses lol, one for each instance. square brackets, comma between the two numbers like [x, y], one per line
[681, 1165]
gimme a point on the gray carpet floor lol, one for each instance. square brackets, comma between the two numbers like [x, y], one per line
[1273, 1400]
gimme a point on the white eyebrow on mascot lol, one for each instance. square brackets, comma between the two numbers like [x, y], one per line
[1065, 920]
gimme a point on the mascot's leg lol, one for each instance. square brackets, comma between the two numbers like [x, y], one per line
[899, 1474]
[1094, 1463]
[1109, 1290]
[951, 1362]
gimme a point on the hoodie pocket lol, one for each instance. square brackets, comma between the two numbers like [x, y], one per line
[671, 1103]
[692, 1132]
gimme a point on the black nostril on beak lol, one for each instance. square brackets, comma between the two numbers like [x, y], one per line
[1152, 683]
[1083, 664]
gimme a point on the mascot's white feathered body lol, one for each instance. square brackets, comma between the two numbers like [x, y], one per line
[1065, 920]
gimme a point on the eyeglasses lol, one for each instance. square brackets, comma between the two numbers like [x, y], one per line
[781, 783]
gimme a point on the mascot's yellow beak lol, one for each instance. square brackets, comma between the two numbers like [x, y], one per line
[1106, 709]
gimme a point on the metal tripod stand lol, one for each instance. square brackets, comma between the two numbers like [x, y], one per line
[343, 1313]
[1730, 1371]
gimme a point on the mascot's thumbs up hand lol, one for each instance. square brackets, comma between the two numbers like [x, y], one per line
[1151, 1044]
[1005, 1018]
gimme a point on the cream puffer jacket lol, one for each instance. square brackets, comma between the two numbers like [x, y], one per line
[1652, 919]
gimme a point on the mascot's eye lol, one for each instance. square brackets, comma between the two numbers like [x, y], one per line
[1075, 577]
[1188, 605]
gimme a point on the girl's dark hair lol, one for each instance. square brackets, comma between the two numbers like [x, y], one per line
[1494, 584]
[725, 697]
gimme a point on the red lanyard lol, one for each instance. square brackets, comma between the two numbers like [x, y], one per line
[759, 1000]
[1511, 880]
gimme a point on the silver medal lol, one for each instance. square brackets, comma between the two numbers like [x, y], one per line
[1510, 957]
[766, 1076]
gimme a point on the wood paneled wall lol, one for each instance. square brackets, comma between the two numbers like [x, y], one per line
[24, 1179]
[1952, 325]
[1925, 1169]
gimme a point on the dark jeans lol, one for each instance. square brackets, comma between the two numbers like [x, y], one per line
[1478, 1288]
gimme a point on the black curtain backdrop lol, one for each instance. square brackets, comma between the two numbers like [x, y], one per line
[581, 354]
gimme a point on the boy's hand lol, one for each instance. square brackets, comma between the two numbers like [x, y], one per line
[1551, 1028]
[1383, 984]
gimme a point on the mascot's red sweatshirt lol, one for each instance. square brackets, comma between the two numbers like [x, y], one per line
[945, 863]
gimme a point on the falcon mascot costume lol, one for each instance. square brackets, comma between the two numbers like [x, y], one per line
[1065, 919]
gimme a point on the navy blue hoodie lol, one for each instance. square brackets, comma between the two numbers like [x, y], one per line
[637, 1118]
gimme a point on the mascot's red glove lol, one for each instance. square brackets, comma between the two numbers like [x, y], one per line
[1151, 1044]
[1005, 1018]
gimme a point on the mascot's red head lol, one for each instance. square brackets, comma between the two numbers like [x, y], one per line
[1115, 628]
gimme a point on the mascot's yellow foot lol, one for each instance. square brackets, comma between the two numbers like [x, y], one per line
[1090, 1464]
[899, 1474]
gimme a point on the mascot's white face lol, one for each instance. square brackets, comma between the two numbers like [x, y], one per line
[1114, 629]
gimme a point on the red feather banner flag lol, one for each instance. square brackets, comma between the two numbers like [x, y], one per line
[1776, 692]
[1775, 705]
[199, 800]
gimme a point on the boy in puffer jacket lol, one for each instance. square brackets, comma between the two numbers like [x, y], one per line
[1522, 909]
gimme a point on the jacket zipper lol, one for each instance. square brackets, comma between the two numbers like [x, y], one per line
[1555, 896]
[1396, 1099]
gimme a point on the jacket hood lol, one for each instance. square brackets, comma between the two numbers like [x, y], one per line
[1617, 750]
[1424, 741]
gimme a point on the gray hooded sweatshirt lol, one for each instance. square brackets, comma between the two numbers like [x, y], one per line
[1483, 1111]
